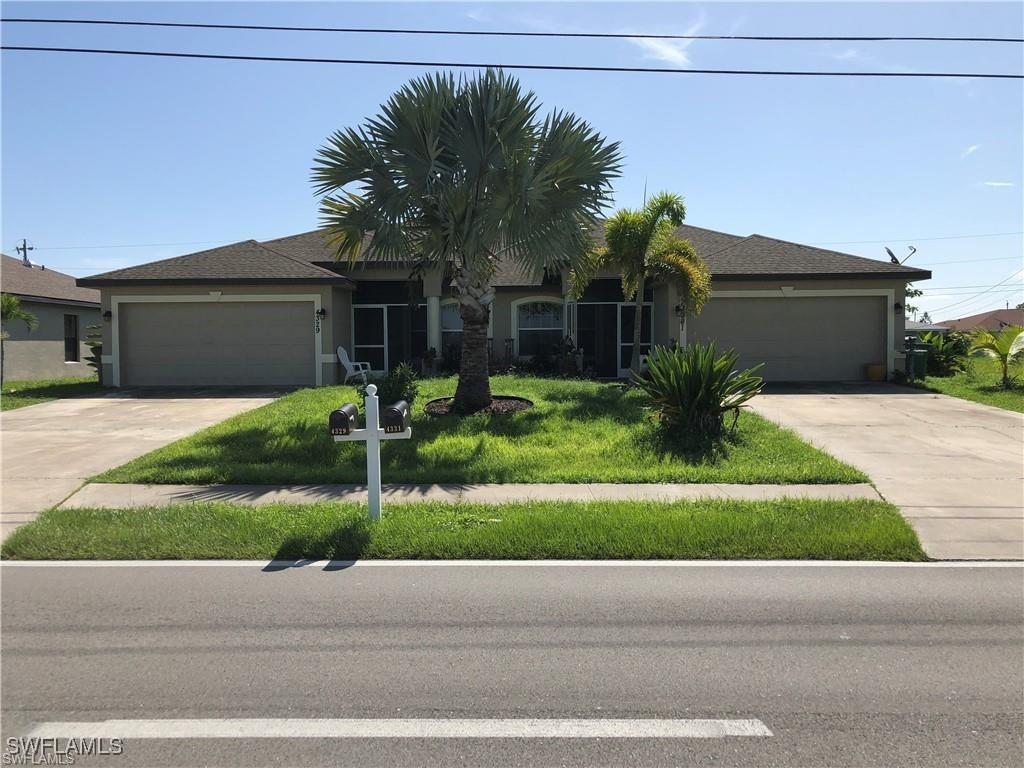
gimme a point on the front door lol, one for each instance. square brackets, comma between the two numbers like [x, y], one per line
[597, 326]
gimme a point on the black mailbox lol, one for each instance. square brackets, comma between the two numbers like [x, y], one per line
[395, 417]
[344, 420]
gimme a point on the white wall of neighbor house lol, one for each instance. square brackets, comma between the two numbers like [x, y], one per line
[113, 298]
[41, 353]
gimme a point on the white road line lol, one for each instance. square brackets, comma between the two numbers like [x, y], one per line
[291, 728]
[289, 564]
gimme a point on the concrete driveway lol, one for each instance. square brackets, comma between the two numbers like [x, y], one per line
[48, 450]
[954, 468]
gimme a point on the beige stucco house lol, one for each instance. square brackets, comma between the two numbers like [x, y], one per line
[56, 348]
[274, 312]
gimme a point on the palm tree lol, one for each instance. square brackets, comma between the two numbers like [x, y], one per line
[1006, 345]
[464, 174]
[11, 311]
[642, 246]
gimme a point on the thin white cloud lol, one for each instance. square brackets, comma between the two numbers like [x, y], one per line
[998, 183]
[847, 55]
[970, 151]
[670, 51]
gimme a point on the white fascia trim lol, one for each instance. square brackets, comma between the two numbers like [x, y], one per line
[206, 298]
[527, 300]
[790, 292]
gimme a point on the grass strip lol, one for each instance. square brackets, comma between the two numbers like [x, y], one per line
[982, 383]
[707, 529]
[18, 394]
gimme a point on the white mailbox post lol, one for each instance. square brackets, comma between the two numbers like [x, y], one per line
[372, 436]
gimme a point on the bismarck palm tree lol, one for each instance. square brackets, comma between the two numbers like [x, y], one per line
[642, 246]
[464, 174]
[1006, 345]
[12, 311]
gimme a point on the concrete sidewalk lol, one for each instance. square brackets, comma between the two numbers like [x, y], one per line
[121, 496]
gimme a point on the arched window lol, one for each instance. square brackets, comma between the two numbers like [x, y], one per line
[538, 324]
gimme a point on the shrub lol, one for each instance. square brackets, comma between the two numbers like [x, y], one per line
[400, 384]
[694, 387]
[947, 353]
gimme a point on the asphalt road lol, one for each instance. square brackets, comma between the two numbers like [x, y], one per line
[844, 666]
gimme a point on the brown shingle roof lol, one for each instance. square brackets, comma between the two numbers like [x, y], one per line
[758, 256]
[992, 320]
[20, 280]
[307, 257]
[244, 262]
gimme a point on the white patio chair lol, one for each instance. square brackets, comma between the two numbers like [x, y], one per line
[352, 369]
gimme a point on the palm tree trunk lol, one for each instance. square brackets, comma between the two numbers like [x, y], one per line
[1006, 370]
[638, 318]
[474, 389]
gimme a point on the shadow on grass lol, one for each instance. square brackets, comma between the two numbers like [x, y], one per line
[611, 401]
[691, 448]
[345, 543]
[54, 390]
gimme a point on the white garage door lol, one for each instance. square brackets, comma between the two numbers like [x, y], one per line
[220, 344]
[798, 338]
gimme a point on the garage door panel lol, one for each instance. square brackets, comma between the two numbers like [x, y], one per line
[216, 343]
[798, 338]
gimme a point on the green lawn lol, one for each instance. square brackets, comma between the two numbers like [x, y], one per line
[577, 432]
[784, 529]
[982, 383]
[18, 394]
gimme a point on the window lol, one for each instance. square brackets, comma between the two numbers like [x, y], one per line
[451, 331]
[70, 338]
[539, 326]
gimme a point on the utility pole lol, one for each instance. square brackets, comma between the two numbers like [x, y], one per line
[23, 249]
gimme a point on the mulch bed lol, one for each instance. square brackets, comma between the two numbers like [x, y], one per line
[500, 404]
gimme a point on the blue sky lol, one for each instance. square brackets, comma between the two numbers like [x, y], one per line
[112, 151]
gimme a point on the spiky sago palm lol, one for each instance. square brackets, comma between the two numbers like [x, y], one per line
[1006, 345]
[463, 173]
[642, 246]
[11, 311]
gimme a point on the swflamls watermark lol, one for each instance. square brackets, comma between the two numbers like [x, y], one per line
[49, 751]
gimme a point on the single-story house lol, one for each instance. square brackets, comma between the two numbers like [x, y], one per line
[274, 312]
[993, 320]
[918, 328]
[56, 348]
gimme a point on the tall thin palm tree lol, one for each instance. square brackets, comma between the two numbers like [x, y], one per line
[642, 246]
[1005, 345]
[464, 173]
[12, 311]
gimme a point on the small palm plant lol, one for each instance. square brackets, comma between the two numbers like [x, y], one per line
[693, 388]
[12, 311]
[642, 246]
[1006, 345]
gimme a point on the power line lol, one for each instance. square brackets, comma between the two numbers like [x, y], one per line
[978, 295]
[504, 33]
[548, 67]
[914, 239]
[972, 261]
[130, 245]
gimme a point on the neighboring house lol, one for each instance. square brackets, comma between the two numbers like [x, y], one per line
[993, 320]
[56, 348]
[274, 312]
